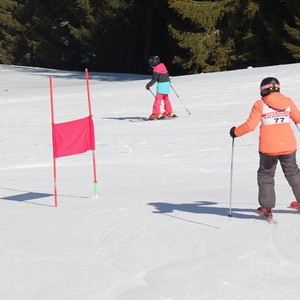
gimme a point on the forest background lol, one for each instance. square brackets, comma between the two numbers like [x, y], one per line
[119, 35]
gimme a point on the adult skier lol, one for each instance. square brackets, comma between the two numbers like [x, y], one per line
[277, 142]
[161, 76]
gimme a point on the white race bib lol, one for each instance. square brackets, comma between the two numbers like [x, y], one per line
[273, 116]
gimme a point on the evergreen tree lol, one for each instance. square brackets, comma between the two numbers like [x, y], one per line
[219, 35]
[199, 35]
[257, 33]
[241, 29]
[291, 40]
[270, 33]
[81, 21]
[293, 45]
[111, 35]
[119, 35]
[148, 34]
[72, 34]
[43, 42]
[97, 33]
[10, 30]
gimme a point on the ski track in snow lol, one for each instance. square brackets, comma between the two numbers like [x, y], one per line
[159, 229]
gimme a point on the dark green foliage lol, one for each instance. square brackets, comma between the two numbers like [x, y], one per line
[225, 34]
[199, 34]
[291, 40]
[10, 30]
[190, 36]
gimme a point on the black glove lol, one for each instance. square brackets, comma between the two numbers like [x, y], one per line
[231, 132]
[147, 87]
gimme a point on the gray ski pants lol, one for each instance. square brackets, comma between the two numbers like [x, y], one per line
[266, 174]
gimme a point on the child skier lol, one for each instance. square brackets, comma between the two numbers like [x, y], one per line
[161, 76]
[276, 142]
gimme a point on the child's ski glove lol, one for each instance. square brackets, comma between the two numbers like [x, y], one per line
[231, 132]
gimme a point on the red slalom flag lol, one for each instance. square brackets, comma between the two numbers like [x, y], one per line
[73, 137]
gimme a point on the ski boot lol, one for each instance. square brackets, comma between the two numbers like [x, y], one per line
[295, 205]
[154, 117]
[167, 115]
[265, 212]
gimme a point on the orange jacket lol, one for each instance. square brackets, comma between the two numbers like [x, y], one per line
[274, 111]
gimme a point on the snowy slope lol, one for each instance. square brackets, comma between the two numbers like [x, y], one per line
[160, 228]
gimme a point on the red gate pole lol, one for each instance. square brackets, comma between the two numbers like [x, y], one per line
[93, 152]
[54, 159]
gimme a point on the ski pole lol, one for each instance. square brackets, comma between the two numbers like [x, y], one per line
[154, 97]
[179, 99]
[174, 90]
[152, 93]
[231, 175]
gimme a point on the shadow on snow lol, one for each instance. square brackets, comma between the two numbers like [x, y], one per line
[208, 208]
[24, 196]
[64, 74]
[121, 118]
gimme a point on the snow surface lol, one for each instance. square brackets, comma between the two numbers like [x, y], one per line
[159, 229]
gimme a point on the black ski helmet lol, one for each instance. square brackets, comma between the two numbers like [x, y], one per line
[153, 61]
[269, 85]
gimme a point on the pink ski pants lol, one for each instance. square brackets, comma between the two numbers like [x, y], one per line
[167, 104]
